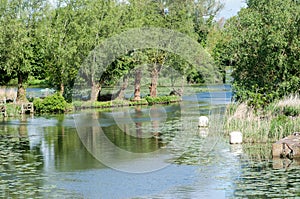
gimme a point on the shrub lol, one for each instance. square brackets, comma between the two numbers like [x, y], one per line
[55, 103]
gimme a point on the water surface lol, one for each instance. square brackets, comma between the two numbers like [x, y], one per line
[144, 152]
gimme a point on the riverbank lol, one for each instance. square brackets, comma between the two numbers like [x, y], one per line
[277, 120]
[122, 102]
[57, 104]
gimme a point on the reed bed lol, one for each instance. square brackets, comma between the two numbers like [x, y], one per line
[274, 122]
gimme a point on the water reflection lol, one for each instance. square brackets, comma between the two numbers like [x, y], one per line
[285, 163]
[261, 176]
[44, 157]
[260, 180]
[35, 149]
[133, 139]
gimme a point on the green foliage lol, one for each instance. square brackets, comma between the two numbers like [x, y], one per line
[291, 111]
[51, 104]
[281, 125]
[42, 41]
[108, 104]
[162, 99]
[119, 103]
[20, 45]
[288, 111]
[262, 44]
[13, 109]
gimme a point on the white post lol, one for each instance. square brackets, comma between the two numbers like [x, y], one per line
[236, 137]
[203, 121]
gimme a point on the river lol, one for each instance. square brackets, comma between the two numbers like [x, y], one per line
[139, 152]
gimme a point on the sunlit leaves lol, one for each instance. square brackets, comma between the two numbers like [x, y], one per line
[264, 47]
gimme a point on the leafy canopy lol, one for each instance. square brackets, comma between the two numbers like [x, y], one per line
[264, 49]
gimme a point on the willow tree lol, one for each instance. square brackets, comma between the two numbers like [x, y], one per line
[21, 23]
[192, 18]
[120, 18]
[63, 37]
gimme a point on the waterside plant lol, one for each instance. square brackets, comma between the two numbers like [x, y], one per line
[122, 102]
[55, 103]
[275, 121]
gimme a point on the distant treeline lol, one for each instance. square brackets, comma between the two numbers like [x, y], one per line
[50, 40]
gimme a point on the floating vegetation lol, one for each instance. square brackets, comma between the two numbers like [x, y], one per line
[260, 180]
[20, 170]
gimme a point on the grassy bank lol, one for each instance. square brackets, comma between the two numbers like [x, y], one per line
[57, 104]
[120, 103]
[274, 122]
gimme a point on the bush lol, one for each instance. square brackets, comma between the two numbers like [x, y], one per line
[51, 104]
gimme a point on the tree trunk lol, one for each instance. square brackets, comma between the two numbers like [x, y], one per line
[21, 93]
[96, 87]
[154, 80]
[138, 125]
[120, 94]
[62, 88]
[137, 84]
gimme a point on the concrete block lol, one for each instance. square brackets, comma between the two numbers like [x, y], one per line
[203, 121]
[287, 147]
[235, 137]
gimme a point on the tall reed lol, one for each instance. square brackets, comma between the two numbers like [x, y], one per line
[274, 122]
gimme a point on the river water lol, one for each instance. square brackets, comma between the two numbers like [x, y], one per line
[139, 152]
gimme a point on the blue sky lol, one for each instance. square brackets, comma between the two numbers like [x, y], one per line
[231, 8]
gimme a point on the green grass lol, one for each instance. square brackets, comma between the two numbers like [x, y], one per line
[108, 104]
[12, 110]
[276, 121]
[119, 103]
[162, 99]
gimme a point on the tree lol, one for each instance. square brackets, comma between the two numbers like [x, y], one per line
[217, 42]
[64, 39]
[98, 71]
[204, 13]
[19, 43]
[99, 21]
[263, 46]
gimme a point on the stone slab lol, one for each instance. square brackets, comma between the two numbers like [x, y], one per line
[287, 147]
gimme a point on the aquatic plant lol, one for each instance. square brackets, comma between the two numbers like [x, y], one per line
[274, 122]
